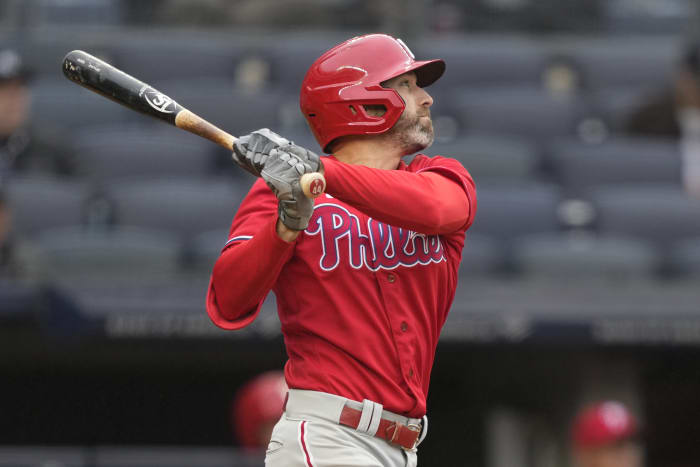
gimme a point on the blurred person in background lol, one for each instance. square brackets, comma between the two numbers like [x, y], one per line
[675, 113]
[606, 434]
[24, 147]
[18, 261]
[257, 407]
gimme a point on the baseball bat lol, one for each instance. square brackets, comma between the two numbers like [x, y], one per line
[104, 79]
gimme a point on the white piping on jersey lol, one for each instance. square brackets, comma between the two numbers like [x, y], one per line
[240, 237]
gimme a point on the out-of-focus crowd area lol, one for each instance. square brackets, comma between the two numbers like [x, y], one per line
[579, 121]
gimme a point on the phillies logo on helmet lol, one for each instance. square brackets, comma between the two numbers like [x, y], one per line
[158, 100]
[405, 47]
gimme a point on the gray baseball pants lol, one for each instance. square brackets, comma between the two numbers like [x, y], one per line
[308, 435]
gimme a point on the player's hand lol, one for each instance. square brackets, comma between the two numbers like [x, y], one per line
[282, 173]
[252, 151]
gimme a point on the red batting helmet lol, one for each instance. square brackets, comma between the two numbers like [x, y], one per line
[259, 401]
[603, 423]
[346, 78]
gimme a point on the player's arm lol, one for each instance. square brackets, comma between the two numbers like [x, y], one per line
[250, 262]
[249, 267]
[244, 274]
[439, 199]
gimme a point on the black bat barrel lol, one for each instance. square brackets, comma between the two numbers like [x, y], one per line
[102, 78]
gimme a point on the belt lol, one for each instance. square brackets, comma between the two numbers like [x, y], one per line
[365, 417]
[394, 432]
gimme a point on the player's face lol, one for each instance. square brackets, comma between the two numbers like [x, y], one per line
[619, 455]
[414, 129]
[4, 222]
[14, 100]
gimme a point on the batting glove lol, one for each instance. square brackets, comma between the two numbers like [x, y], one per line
[282, 173]
[252, 151]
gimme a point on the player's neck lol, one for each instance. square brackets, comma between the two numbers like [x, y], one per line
[371, 152]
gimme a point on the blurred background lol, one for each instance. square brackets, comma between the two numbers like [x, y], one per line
[580, 283]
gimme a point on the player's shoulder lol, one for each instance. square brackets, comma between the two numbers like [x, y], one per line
[421, 162]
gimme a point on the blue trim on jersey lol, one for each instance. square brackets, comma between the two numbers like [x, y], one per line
[240, 237]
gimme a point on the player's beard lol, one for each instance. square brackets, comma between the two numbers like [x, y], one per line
[412, 133]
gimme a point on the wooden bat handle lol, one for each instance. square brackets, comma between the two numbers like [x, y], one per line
[193, 123]
[313, 184]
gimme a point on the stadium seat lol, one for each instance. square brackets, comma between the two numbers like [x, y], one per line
[658, 213]
[291, 59]
[617, 104]
[150, 308]
[584, 256]
[80, 12]
[221, 103]
[64, 105]
[485, 61]
[206, 248]
[491, 157]
[506, 211]
[481, 255]
[631, 62]
[646, 20]
[39, 203]
[117, 152]
[36, 456]
[527, 112]
[44, 52]
[156, 60]
[685, 258]
[182, 207]
[76, 255]
[621, 161]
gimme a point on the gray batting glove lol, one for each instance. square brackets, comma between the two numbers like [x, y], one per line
[252, 151]
[282, 173]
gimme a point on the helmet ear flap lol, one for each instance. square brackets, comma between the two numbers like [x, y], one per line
[354, 114]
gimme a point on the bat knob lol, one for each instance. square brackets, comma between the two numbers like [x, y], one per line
[313, 184]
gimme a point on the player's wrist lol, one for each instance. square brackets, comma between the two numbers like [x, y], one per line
[285, 233]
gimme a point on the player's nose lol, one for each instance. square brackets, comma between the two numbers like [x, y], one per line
[424, 99]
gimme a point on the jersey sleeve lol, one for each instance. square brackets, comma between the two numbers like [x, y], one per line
[452, 169]
[250, 262]
[433, 196]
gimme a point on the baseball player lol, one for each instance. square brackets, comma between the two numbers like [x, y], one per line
[365, 274]
[606, 435]
[257, 407]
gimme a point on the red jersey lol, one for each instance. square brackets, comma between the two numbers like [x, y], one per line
[364, 291]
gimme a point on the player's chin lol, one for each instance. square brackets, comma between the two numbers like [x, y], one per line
[424, 136]
[417, 143]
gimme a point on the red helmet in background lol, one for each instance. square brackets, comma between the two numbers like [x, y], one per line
[603, 423]
[259, 402]
[346, 78]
